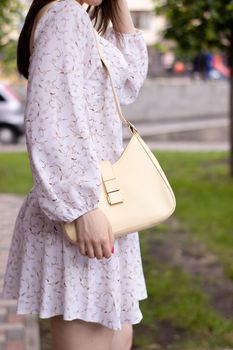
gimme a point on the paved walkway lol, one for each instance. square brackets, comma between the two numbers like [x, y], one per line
[17, 332]
[158, 146]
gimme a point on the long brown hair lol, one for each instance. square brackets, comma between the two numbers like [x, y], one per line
[101, 15]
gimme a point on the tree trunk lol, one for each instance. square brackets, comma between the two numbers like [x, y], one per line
[231, 108]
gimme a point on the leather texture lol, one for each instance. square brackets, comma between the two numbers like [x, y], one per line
[147, 197]
[135, 192]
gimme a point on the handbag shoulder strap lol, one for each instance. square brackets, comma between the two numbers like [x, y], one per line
[126, 122]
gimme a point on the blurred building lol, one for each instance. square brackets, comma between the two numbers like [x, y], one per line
[144, 18]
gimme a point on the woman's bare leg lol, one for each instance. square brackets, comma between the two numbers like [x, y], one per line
[123, 339]
[79, 335]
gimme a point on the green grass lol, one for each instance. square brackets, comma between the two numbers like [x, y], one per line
[178, 308]
[15, 174]
[204, 194]
[176, 304]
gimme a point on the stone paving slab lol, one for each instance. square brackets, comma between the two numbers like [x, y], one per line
[189, 146]
[17, 332]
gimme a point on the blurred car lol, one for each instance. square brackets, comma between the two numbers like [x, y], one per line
[11, 115]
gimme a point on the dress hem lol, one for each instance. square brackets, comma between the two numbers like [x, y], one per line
[86, 319]
[42, 315]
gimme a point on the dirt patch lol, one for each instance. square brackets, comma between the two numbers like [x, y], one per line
[160, 337]
[168, 334]
[182, 250]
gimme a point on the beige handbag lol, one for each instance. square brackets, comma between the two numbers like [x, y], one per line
[135, 192]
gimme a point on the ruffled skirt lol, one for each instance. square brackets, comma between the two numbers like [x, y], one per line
[48, 276]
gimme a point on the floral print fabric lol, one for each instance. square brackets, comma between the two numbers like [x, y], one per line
[71, 125]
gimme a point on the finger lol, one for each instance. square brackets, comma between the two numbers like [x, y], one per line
[107, 250]
[98, 251]
[82, 248]
[90, 251]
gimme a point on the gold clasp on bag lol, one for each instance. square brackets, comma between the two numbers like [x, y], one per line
[111, 184]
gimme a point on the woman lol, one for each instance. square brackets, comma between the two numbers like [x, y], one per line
[90, 292]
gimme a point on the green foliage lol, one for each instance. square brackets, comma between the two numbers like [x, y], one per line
[198, 25]
[11, 17]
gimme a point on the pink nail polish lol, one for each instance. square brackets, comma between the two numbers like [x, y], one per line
[113, 249]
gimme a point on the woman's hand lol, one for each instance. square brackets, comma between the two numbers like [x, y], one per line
[94, 234]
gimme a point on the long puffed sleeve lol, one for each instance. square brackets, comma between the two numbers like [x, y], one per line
[134, 50]
[62, 156]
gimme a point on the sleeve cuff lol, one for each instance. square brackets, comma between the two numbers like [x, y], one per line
[136, 33]
[80, 213]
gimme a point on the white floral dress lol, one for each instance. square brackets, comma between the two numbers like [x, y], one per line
[71, 124]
